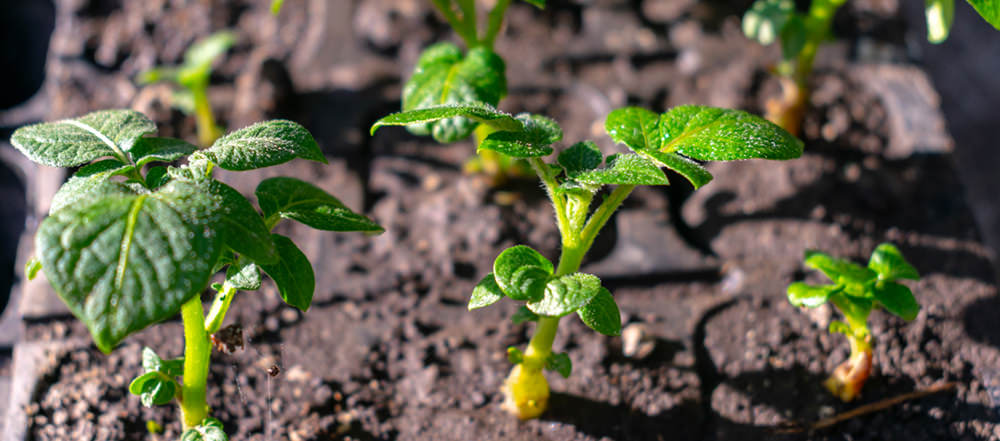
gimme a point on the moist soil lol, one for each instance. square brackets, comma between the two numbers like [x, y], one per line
[388, 350]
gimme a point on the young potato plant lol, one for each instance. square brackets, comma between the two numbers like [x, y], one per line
[676, 140]
[855, 292]
[445, 75]
[127, 245]
[801, 33]
[193, 76]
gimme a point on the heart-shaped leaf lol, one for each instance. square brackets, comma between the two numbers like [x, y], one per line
[263, 145]
[72, 142]
[810, 296]
[580, 158]
[602, 314]
[122, 261]
[625, 169]
[292, 273]
[522, 273]
[479, 112]
[566, 294]
[897, 299]
[765, 19]
[890, 264]
[531, 141]
[444, 75]
[292, 198]
[486, 293]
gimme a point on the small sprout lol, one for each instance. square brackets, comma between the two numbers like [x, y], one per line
[193, 76]
[108, 219]
[856, 291]
[676, 139]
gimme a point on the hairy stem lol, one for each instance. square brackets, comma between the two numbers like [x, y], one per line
[197, 353]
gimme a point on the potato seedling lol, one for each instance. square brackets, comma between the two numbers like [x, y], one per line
[445, 75]
[675, 140]
[800, 35]
[126, 249]
[193, 76]
[856, 291]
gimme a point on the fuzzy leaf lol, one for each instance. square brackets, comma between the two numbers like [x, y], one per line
[765, 19]
[897, 299]
[532, 141]
[486, 293]
[483, 113]
[124, 261]
[559, 362]
[566, 294]
[156, 177]
[637, 128]
[940, 15]
[838, 270]
[149, 149]
[444, 75]
[691, 170]
[522, 273]
[243, 275]
[713, 134]
[580, 158]
[989, 10]
[298, 200]
[292, 273]
[153, 389]
[890, 264]
[239, 225]
[90, 178]
[263, 145]
[626, 169]
[209, 430]
[72, 142]
[523, 314]
[810, 296]
[602, 314]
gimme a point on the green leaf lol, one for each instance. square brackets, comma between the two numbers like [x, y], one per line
[298, 200]
[158, 391]
[637, 128]
[602, 314]
[532, 141]
[839, 270]
[444, 76]
[136, 386]
[765, 19]
[793, 37]
[897, 299]
[989, 10]
[124, 261]
[523, 314]
[156, 177]
[263, 145]
[276, 6]
[559, 362]
[486, 293]
[32, 267]
[72, 142]
[522, 273]
[566, 294]
[691, 170]
[239, 225]
[479, 112]
[810, 296]
[940, 15]
[148, 149]
[209, 430]
[839, 327]
[890, 264]
[292, 273]
[243, 275]
[201, 54]
[153, 363]
[626, 169]
[580, 158]
[91, 178]
[713, 134]
[514, 355]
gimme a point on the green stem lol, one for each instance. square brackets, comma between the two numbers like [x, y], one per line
[558, 200]
[603, 213]
[460, 27]
[217, 313]
[208, 130]
[197, 353]
[495, 22]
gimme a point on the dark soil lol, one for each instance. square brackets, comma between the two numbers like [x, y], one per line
[388, 350]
